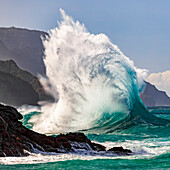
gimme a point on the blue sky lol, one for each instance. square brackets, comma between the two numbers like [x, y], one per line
[141, 28]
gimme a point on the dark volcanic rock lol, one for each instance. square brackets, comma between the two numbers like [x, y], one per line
[15, 139]
[120, 150]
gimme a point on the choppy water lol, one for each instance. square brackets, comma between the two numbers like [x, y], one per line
[150, 144]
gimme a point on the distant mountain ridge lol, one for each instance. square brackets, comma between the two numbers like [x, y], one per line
[154, 97]
[25, 48]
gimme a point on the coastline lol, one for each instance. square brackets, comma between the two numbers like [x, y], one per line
[17, 140]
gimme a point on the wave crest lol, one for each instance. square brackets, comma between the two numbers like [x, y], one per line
[93, 82]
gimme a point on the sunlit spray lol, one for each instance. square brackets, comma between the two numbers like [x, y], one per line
[89, 77]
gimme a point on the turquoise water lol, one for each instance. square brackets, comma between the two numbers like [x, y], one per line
[99, 95]
[160, 162]
[150, 143]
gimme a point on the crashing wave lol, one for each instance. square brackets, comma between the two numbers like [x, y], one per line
[95, 85]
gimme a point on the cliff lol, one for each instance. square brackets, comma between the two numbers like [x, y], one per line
[15, 91]
[24, 47]
[11, 68]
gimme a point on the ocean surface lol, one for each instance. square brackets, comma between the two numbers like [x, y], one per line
[97, 91]
[150, 144]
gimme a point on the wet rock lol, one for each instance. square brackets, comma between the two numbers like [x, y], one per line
[98, 147]
[15, 139]
[120, 150]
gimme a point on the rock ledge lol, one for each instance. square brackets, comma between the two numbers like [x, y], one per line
[15, 139]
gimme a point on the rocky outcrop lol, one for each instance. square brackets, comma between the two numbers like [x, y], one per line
[153, 97]
[15, 139]
[15, 91]
[11, 67]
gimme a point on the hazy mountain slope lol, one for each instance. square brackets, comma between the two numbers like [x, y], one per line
[153, 97]
[4, 51]
[24, 46]
[15, 91]
[10, 67]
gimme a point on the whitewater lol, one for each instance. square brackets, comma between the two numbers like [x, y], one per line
[92, 81]
[97, 91]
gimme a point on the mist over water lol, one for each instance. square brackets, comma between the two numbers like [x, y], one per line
[92, 81]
